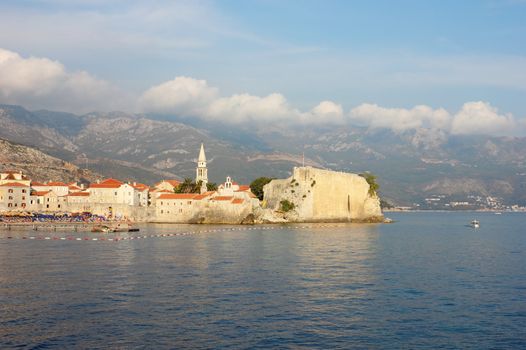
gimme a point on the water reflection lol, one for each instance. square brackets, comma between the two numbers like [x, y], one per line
[340, 287]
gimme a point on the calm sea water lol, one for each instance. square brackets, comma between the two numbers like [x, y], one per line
[427, 281]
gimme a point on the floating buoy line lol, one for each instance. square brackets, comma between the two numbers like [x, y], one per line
[161, 235]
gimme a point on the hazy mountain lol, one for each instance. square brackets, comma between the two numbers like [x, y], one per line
[135, 147]
[410, 165]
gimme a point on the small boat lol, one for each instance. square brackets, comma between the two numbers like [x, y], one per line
[475, 224]
[498, 213]
[101, 228]
[124, 227]
[114, 228]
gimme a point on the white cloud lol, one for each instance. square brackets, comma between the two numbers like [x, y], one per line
[37, 82]
[185, 96]
[182, 96]
[473, 118]
[190, 97]
[42, 83]
[325, 112]
[244, 107]
[481, 118]
[400, 119]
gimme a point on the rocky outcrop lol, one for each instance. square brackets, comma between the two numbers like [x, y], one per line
[316, 195]
[40, 166]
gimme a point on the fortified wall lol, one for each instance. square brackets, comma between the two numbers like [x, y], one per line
[134, 213]
[206, 212]
[323, 196]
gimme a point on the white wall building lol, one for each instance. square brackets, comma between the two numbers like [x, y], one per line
[14, 196]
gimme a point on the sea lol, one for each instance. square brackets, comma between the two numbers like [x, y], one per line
[426, 281]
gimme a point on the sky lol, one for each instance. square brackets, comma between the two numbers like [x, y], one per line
[459, 66]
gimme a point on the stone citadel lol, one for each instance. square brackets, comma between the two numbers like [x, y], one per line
[309, 195]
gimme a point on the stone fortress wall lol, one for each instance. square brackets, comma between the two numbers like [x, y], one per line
[323, 195]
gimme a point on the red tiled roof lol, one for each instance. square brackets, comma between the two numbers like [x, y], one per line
[108, 183]
[14, 184]
[74, 188]
[56, 183]
[204, 195]
[178, 196]
[40, 193]
[111, 181]
[238, 201]
[34, 183]
[243, 188]
[140, 187]
[222, 198]
[79, 194]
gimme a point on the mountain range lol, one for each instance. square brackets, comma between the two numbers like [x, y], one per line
[411, 165]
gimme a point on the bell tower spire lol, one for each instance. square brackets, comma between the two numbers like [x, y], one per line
[202, 171]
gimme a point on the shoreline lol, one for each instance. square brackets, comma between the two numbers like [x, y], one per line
[451, 211]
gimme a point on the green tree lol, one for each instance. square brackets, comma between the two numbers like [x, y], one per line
[373, 185]
[286, 205]
[187, 186]
[257, 186]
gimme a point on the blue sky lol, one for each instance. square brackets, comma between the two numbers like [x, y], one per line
[394, 54]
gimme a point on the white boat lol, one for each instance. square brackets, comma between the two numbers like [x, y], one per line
[475, 224]
[120, 227]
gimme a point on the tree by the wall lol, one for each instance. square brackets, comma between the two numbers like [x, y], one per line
[373, 185]
[257, 186]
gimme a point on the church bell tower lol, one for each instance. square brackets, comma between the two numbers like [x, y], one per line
[202, 171]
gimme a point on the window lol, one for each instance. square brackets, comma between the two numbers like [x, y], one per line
[31, 202]
[59, 206]
[180, 210]
[10, 197]
[23, 205]
[10, 190]
[47, 205]
[162, 211]
[23, 191]
[10, 205]
[161, 203]
[23, 198]
[115, 193]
